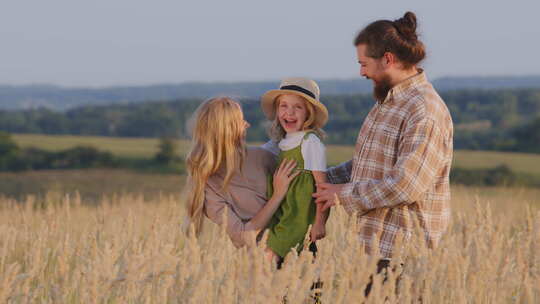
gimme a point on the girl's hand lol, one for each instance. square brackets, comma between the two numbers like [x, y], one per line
[283, 177]
[318, 231]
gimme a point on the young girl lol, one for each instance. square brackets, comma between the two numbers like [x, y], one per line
[297, 116]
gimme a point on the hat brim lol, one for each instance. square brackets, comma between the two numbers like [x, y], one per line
[269, 110]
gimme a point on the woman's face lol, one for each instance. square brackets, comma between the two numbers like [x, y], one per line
[245, 125]
[292, 112]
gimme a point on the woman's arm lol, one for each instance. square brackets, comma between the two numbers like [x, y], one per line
[216, 206]
[282, 178]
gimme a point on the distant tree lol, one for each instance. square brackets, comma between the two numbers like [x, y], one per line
[8, 151]
[500, 176]
[82, 157]
[483, 119]
[527, 137]
[7, 145]
[168, 151]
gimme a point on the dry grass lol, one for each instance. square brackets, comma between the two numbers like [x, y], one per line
[126, 250]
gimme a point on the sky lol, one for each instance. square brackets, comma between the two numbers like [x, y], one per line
[130, 42]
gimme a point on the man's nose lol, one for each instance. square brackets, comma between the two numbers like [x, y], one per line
[362, 72]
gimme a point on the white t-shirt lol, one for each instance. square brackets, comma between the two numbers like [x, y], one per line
[313, 150]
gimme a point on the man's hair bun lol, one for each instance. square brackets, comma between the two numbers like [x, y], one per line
[398, 37]
[406, 26]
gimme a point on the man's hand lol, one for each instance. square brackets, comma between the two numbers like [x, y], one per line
[327, 194]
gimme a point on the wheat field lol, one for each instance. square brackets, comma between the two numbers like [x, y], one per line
[130, 250]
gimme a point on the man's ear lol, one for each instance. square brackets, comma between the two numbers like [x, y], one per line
[389, 59]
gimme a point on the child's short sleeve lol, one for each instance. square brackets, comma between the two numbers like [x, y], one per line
[314, 154]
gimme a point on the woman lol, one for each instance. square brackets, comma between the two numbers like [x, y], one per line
[226, 176]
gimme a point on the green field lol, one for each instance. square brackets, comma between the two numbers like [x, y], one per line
[121, 146]
[146, 147]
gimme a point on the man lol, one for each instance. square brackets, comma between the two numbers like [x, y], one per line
[399, 173]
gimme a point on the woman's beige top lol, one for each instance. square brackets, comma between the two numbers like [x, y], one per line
[246, 193]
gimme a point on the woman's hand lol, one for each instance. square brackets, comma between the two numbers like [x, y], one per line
[283, 177]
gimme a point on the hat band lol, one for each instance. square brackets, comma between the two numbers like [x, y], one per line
[299, 89]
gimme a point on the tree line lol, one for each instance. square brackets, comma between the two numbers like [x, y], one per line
[506, 120]
[14, 158]
[63, 98]
[167, 160]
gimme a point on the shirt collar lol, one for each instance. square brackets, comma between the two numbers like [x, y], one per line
[404, 86]
[295, 134]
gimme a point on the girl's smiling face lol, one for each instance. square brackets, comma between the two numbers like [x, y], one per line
[291, 112]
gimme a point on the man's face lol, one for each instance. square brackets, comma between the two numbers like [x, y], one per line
[374, 69]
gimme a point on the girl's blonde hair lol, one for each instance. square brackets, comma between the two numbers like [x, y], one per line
[217, 129]
[276, 131]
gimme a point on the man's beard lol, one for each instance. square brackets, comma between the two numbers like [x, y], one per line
[381, 88]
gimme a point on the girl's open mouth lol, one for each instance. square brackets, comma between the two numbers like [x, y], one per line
[289, 123]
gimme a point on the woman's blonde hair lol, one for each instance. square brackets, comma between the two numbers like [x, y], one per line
[276, 131]
[218, 132]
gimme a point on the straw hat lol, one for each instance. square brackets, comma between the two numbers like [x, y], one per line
[303, 87]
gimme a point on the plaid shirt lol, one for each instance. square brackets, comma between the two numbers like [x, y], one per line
[400, 169]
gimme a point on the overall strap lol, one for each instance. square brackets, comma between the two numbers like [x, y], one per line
[306, 136]
[300, 147]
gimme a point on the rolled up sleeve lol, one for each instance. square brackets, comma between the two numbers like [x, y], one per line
[215, 208]
[340, 174]
[419, 158]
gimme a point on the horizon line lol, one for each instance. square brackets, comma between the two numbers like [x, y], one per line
[210, 82]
